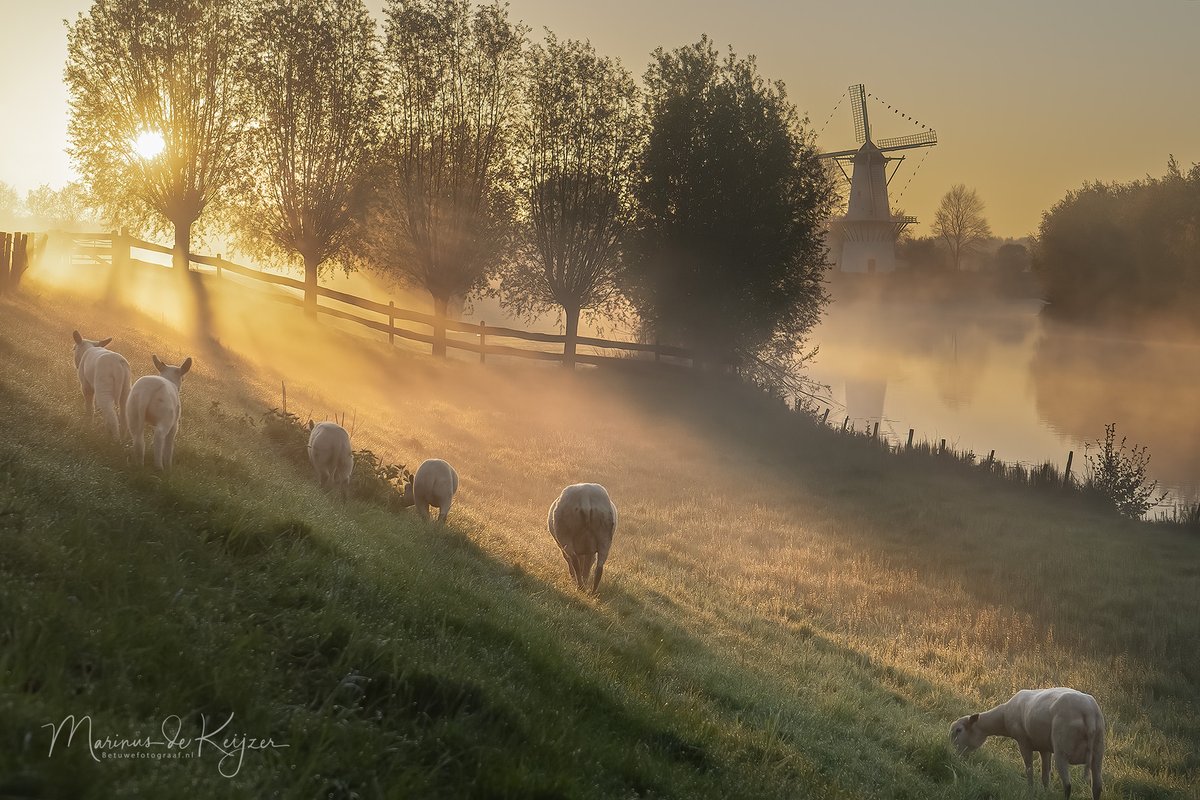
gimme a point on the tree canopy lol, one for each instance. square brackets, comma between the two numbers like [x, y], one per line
[579, 142]
[1124, 250]
[731, 207]
[313, 99]
[444, 211]
[167, 77]
[959, 222]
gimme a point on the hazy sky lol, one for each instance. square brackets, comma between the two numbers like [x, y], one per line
[1029, 99]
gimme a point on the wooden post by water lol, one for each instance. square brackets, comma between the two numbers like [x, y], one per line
[910, 435]
[942, 449]
[875, 433]
[825, 416]
[845, 422]
[391, 321]
[1067, 473]
[482, 341]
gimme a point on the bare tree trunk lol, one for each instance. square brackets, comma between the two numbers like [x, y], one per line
[310, 285]
[439, 326]
[183, 246]
[572, 336]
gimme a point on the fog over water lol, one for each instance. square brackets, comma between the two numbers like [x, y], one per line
[999, 375]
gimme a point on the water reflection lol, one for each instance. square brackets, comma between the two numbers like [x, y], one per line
[995, 375]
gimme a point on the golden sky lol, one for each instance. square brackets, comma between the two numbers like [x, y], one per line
[1029, 99]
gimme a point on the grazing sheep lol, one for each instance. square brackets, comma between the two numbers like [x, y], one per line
[154, 401]
[582, 521]
[1061, 721]
[104, 378]
[330, 454]
[434, 484]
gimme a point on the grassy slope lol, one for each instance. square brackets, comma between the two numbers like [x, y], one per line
[786, 613]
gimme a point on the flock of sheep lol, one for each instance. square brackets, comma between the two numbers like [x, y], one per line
[582, 520]
[1059, 722]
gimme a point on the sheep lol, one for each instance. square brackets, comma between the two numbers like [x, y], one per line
[434, 484]
[154, 401]
[104, 378]
[330, 454]
[582, 520]
[1061, 721]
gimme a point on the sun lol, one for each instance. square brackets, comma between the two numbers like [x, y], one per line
[148, 144]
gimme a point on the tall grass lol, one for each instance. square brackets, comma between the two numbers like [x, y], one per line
[791, 613]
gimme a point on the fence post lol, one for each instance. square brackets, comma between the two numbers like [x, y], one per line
[942, 449]
[1067, 472]
[482, 341]
[875, 433]
[218, 260]
[28, 241]
[391, 321]
[991, 457]
[825, 416]
[5, 257]
[120, 249]
[845, 422]
[908, 445]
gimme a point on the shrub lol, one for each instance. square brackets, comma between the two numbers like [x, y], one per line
[1117, 475]
[373, 479]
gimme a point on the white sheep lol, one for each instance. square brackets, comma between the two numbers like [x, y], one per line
[434, 484]
[330, 454]
[104, 379]
[1060, 721]
[582, 520]
[154, 401]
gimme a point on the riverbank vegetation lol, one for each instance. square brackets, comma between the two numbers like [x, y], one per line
[1125, 253]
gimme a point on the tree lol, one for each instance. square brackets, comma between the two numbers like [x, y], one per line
[156, 108]
[960, 222]
[313, 96]
[67, 207]
[580, 140]
[1124, 251]
[731, 207]
[1012, 258]
[443, 216]
[10, 201]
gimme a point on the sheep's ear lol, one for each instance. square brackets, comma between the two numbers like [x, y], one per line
[104, 342]
[974, 718]
[185, 366]
[75, 335]
[158, 365]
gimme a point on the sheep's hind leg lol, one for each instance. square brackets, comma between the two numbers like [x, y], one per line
[1046, 768]
[1064, 772]
[601, 557]
[138, 442]
[444, 512]
[169, 446]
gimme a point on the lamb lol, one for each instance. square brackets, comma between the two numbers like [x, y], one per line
[154, 401]
[1061, 721]
[434, 484]
[582, 520]
[330, 454]
[104, 378]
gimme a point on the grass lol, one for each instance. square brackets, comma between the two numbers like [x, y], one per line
[787, 612]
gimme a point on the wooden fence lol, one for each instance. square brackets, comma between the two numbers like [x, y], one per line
[115, 250]
[16, 252]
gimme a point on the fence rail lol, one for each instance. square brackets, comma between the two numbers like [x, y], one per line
[115, 249]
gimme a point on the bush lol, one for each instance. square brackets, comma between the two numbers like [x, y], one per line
[373, 480]
[1117, 475]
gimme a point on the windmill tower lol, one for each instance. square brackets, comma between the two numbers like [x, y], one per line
[867, 234]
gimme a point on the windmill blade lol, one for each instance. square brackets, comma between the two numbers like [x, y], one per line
[858, 106]
[838, 154]
[923, 139]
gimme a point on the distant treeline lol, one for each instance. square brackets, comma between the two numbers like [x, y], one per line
[1120, 252]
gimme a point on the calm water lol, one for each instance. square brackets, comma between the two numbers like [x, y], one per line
[1000, 376]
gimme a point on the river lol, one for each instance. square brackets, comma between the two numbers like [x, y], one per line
[998, 375]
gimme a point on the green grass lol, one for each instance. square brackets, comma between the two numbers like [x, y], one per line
[786, 613]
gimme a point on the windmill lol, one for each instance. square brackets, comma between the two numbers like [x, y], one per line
[865, 239]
